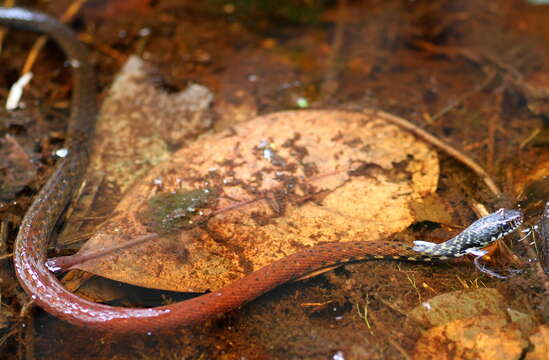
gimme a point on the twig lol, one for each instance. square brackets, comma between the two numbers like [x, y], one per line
[6, 256]
[102, 47]
[492, 128]
[64, 263]
[6, 336]
[503, 65]
[330, 83]
[475, 145]
[26, 333]
[529, 138]
[412, 281]
[28, 344]
[4, 230]
[364, 315]
[487, 80]
[392, 306]
[400, 349]
[450, 150]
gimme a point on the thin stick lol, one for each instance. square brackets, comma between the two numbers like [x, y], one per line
[487, 80]
[493, 122]
[64, 263]
[530, 137]
[6, 256]
[330, 83]
[450, 150]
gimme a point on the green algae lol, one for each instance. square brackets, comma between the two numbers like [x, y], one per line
[180, 210]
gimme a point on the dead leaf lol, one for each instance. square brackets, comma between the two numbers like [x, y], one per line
[483, 337]
[282, 182]
[540, 341]
[138, 125]
[460, 304]
[16, 167]
[140, 122]
[434, 209]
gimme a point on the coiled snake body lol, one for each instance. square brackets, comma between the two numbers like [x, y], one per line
[32, 240]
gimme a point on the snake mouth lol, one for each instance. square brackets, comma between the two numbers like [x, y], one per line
[513, 225]
[517, 222]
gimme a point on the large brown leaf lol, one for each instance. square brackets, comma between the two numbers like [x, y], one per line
[274, 185]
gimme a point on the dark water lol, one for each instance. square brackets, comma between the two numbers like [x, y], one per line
[472, 73]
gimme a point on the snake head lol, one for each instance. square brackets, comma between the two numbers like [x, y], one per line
[498, 224]
[479, 234]
[486, 230]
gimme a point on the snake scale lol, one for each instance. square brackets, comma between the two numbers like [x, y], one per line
[32, 240]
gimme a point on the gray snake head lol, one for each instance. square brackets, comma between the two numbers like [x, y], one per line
[479, 234]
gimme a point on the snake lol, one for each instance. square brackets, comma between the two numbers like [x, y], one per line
[46, 291]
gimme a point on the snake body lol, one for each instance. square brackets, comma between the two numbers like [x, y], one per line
[48, 206]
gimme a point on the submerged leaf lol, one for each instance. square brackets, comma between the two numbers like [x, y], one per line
[280, 183]
[483, 337]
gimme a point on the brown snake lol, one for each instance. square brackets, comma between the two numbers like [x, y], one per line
[48, 293]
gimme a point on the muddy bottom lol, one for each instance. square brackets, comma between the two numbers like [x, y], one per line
[472, 73]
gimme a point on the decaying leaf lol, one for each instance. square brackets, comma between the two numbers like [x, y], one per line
[16, 167]
[140, 122]
[245, 197]
[460, 304]
[482, 337]
[138, 125]
[540, 344]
